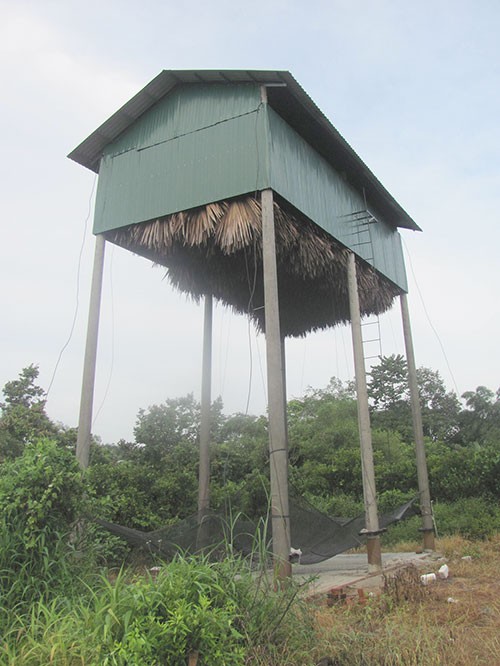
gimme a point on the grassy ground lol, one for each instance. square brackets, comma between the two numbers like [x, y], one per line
[121, 620]
[454, 621]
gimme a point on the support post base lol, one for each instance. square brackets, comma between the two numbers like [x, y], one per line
[374, 553]
[282, 573]
[428, 538]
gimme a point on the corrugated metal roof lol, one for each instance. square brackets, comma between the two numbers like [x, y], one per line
[286, 97]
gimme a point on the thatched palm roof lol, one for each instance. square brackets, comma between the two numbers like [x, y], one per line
[217, 249]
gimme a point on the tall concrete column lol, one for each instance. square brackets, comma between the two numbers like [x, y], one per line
[89, 364]
[418, 432]
[206, 386]
[278, 445]
[365, 435]
[283, 370]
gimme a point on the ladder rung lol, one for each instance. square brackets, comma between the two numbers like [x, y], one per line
[356, 212]
[370, 219]
[358, 231]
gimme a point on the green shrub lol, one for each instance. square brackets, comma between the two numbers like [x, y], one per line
[225, 611]
[41, 496]
[339, 505]
[29, 575]
[41, 491]
[471, 518]
[392, 499]
[403, 532]
[188, 608]
[220, 609]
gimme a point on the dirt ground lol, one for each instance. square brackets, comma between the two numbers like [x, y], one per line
[395, 620]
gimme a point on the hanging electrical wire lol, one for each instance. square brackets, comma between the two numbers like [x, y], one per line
[251, 287]
[77, 296]
[429, 319]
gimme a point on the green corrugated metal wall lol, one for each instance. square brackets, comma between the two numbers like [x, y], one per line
[206, 142]
[306, 180]
[199, 144]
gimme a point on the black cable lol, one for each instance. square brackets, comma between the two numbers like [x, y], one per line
[77, 298]
[429, 319]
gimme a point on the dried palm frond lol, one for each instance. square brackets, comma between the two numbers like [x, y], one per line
[217, 249]
[240, 225]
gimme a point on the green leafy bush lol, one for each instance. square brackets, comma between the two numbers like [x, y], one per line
[41, 491]
[338, 505]
[41, 495]
[188, 608]
[225, 611]
[471, 518]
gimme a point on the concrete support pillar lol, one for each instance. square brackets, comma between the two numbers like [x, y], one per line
[418, 432]
[278, 446]
[365, 436]
[206, 386]
[89, 364]
[283, 369]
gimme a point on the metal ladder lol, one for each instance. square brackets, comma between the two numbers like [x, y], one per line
[361, 241]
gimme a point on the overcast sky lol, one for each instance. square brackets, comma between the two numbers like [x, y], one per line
[413, 87]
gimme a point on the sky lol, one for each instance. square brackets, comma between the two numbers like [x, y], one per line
[413, 87]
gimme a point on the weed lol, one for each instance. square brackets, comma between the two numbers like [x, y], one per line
[410, 625]
[404, 585]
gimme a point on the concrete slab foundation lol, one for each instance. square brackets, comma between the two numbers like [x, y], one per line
[352, 570]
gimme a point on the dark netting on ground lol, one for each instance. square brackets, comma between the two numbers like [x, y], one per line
[315, 534]
[323, 537]
[213, 533]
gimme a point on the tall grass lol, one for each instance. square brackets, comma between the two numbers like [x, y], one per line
[224, 610]
[28, 575]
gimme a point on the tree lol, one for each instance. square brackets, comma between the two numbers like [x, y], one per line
[162, 427]
[336, 389]
[389, 393]
[324, 441]
[388, 384]
[23, 416]
[240, 449]
[480, 420]
[440, 408]
[154, 480]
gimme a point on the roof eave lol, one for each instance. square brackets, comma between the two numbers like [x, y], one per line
[88, 152]
[366, 178]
